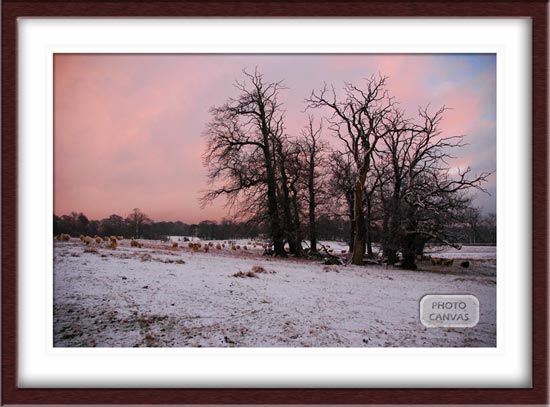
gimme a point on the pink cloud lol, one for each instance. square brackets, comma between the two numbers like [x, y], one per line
[128, 127]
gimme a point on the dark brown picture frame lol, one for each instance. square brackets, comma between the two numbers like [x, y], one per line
[537, 11]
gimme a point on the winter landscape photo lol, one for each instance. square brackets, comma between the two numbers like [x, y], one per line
[274, 200]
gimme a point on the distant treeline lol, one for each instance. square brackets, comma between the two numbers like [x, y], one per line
[139, 225]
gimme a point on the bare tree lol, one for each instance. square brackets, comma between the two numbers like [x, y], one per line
[425, 193]
[289, 174]
[313, 151]
[240, 153]
[342, 190]
[136, 221]
[359, 120]
[113, 225]
[474, 220]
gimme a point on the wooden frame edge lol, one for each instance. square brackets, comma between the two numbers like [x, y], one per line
[536, 10]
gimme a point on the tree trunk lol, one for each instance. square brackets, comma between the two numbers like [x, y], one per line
[368, 237]
[276, 230]
[358, 250]
[312, 233]
[395, 221]
[298, 234]
[311, 191]
[289, 231]
[351, 210]
[409, 251]
[289, 224]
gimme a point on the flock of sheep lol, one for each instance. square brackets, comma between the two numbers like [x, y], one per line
[197, 246]
[110, 241]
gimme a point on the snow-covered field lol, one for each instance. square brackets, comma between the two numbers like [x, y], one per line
[466, 252]
[163, 296]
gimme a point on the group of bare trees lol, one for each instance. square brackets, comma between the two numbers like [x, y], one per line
[387, 170]
[262, 170]
[75, 224]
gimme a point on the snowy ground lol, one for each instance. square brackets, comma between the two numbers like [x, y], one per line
[158, 295]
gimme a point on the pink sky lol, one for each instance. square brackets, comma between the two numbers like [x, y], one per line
[128, 128]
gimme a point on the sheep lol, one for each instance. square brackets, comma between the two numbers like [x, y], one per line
[87, 240]
[120, 237]
[106, 238]
[98, 240]
[437, 261]
[81, 237]
[245, 248]
[190, 245]
[447, 262]
[233, 248]
[135, 243]
[206, 248]
[113, 245]
[218, 246]
[174, 244]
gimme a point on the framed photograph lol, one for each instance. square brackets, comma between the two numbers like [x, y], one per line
[274, 203]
